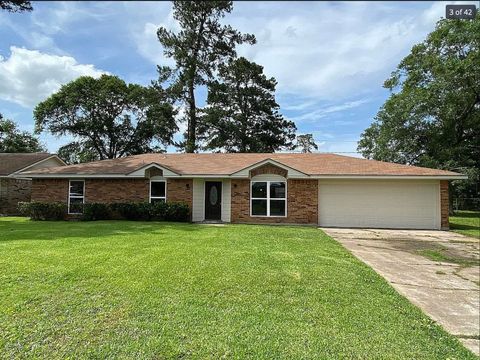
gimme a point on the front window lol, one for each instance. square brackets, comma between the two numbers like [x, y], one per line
[268, 198]
[76, 196]
[158, 191]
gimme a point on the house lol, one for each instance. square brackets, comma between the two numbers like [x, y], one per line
[15, 187]
[320, 189]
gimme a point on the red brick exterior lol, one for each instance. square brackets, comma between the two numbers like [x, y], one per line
[444, 204]
[13, 191]
[180, 190]
[50, 190]
[111, 190]
[302, 203]
[116, 190]
[268, 169]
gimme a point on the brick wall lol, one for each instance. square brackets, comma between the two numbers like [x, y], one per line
[302, 203]
[444, 204]
[50, 190]
[13, 191]
[117, 190]
[111, 190]
[180, 190]
[268, 169]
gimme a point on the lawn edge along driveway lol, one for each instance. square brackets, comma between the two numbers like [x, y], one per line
[446, 290]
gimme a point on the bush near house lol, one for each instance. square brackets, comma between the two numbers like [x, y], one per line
[159, 211]
[43, 211]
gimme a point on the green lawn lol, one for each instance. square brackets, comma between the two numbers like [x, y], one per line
[466, 223]
[152, 290]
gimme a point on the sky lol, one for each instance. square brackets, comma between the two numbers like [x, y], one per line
[330, 58]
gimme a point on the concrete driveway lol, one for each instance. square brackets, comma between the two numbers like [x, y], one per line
[436, 270]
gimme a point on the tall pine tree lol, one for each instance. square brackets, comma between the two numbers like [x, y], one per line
[202, 44]
[241, 113]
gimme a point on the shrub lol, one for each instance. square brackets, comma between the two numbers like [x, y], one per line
[43, 211]
[96, 211]
[177, 212]
[160, 211]
[157, 211]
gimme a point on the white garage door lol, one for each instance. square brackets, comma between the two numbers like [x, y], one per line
[379, 204]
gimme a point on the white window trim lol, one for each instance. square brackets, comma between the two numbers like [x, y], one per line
[150, 197]
[75, 196]
[268, 198]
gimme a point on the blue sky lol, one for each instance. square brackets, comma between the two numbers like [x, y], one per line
[329, 58]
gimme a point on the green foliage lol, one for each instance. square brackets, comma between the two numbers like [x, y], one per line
[306, 143]
[199, 48]
[128, 290]
[241, 113]
[108, 117]
[16, 5]
[432, 117]
[158, 211]
[43, 211]
[96, 211]
[12, 140]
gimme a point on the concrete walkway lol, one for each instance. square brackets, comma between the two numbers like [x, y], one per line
[448, 292]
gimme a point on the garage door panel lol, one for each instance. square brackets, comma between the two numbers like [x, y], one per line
[395, 204]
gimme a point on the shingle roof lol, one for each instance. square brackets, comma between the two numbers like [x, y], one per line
[11, 162]
[226, 164]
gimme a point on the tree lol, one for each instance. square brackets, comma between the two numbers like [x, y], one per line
[77, 152]
[241, 113]
[202, 44]
[12, 140]
[16, 5]
[306, 143]
[107, 117]
[432, 117]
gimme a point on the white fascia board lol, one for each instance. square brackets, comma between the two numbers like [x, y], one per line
[238, 176]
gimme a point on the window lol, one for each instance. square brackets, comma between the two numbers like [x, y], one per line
[76, 196]
[158, 191]
[268, 198]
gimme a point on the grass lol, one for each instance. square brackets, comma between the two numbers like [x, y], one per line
[152, 290]
[466, 223]
[441, 256]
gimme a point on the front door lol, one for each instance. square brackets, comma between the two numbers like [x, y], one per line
[213, 200]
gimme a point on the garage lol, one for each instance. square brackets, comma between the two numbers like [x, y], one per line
[408, 204]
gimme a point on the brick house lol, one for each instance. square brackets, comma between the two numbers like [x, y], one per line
[15, 187]
[319, 189]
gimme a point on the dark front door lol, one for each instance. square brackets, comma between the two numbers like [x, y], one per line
[213, 200]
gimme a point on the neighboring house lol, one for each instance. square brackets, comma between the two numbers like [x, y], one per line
[323, 189]
[15, 187]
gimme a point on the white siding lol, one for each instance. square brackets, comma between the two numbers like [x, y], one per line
[226, 200]
[48, 163]
[198, 206]
[379, 204]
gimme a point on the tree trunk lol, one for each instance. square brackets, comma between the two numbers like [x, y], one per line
[192, 120]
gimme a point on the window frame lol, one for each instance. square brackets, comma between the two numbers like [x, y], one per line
[150, 197]
[268, 198]
[70, 196]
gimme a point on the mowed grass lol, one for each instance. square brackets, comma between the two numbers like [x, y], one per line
[466, 223]
[163, 290]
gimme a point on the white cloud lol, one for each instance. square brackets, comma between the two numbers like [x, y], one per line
[323, 111]
[29, 76]
[332, 51]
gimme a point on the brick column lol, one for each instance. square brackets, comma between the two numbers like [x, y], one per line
[444, 204]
